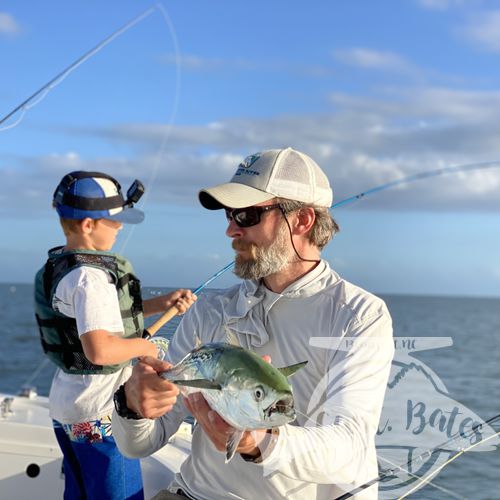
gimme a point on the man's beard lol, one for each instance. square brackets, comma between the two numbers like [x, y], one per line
[264, 261]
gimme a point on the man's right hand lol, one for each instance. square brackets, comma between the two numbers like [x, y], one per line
[148, 394]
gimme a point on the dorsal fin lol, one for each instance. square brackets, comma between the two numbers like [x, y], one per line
[230, 337]
[197, 340]
[288, 371]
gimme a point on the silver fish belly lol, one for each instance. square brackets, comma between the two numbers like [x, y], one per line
[246, 391]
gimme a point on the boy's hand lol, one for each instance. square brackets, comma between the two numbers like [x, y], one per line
[182, 299]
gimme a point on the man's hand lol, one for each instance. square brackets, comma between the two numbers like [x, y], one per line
[218, 430]
[148, 394]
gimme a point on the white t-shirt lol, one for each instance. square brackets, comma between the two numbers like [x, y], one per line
[88, 295]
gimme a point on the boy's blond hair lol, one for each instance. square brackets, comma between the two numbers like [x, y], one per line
[72, 226]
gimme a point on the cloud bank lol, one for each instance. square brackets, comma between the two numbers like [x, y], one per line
[8, 25]
[362, 142]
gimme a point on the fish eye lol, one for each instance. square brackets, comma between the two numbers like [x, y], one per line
[259, 393]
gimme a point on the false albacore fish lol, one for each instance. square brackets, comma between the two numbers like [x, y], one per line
[246, 391]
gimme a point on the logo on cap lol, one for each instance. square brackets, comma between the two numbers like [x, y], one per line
[244, 166]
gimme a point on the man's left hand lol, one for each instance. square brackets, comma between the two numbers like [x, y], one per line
[218, 430]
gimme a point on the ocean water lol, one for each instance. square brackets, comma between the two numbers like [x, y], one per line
[445, 379]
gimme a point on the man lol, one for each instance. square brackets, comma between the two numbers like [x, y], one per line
[277, 206]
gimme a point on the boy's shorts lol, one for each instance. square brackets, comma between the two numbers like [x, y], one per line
[93, 466]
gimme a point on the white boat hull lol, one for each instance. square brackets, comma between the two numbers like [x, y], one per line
[30, 458]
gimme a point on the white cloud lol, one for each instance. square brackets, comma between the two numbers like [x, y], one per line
[190, 62]
[439, 104]
[484, 29]
[370, 59]
[8, 25]
[440, 4]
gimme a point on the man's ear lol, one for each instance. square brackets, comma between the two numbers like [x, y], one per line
[305, 218]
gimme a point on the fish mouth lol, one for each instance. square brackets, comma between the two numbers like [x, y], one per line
[283, 406]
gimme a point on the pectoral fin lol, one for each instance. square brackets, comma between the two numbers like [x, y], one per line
[233, 440]
[287, 371]
[201, 383]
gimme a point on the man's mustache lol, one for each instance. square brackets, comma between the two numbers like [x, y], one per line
[242, 245]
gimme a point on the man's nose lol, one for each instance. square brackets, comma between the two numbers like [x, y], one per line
[233, 230]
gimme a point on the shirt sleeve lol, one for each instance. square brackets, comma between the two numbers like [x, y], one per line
[88, 295]
[341, 449]
[140, 438]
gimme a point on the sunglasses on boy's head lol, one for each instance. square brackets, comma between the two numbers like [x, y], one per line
[249, 216]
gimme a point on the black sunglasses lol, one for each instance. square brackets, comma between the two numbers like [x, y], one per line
[249, 216]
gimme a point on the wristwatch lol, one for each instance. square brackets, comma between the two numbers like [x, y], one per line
[122, 409]
[266, 445]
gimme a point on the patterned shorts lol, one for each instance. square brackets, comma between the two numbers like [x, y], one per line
[87, 432]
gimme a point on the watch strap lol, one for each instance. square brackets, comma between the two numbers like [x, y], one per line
[120, 401]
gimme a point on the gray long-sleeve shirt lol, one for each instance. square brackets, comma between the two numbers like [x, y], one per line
[345, 333]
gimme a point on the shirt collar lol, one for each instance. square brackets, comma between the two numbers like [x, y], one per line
[247, 311]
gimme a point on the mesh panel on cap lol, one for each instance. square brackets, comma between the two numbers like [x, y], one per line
[297, 177]
[291, 168]
[292, 178]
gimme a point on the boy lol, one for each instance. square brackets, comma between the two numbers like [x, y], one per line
[90, 315]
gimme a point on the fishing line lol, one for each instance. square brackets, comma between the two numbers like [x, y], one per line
[430, 483]
[405, 180]
[43, 91]
[35, 374]
[169, 124]
[426, 479]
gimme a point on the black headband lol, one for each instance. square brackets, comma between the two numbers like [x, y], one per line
[64, 197]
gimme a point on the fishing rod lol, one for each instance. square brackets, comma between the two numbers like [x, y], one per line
[173, 311]
[63, 74]
[170, 313]
[405, 180]
[391, 473]
[416, 177]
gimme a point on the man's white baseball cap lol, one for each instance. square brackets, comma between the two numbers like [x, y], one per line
[276, 173]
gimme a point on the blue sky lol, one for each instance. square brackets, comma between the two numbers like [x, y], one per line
[373, 91]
